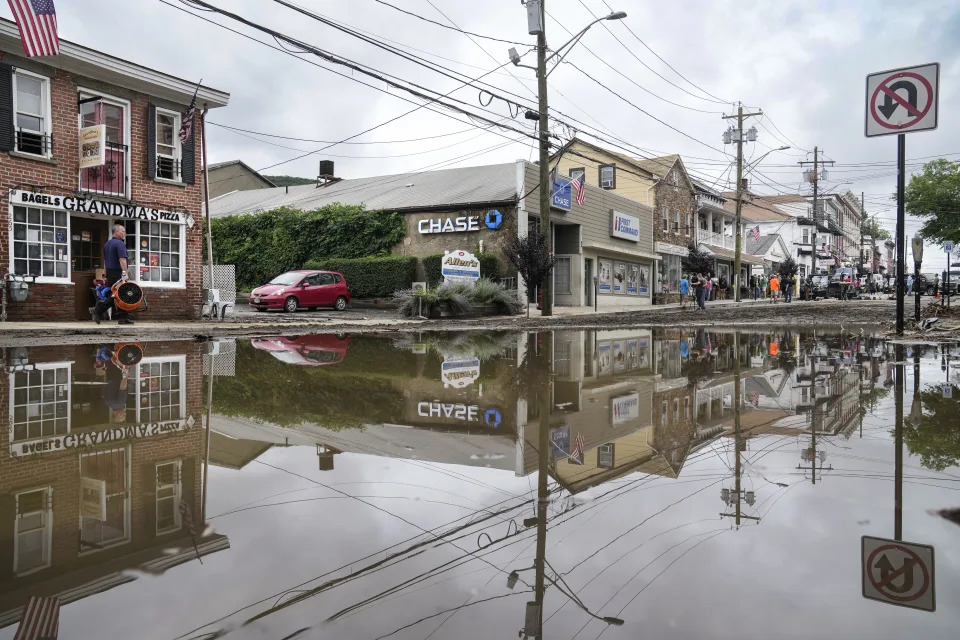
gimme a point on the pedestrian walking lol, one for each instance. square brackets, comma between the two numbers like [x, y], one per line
[909, 285]
[714, 286]
[936, 287]
[708, 291]
[774, 288]
[722, 284]
[789, 287]
[115, 263]
[700, 289]
[684, 291]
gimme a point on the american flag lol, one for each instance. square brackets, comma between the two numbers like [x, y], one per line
[579, 188]
[186, 119]
[756, 398]
[39, 619]
[576, 456]
[756, 233]
[37, 21]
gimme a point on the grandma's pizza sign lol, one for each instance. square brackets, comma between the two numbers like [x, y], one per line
[460, 266]
[95, 207]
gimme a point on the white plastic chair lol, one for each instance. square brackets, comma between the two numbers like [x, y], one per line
[213, 307]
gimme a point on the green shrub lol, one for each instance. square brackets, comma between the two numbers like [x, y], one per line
[377, 277]
[264, 245]
[457, 298]
[489, 268]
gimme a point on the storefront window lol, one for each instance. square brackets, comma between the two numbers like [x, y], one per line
[158, 252]
[159, 395]
[168, 491]
[104, 499]
[561, 273]
[40, 242]
[671, 272]
[41, 403]
[33, 525]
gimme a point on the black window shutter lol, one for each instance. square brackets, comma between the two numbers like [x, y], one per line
[6, 107]
[187, 160]
[151, 141]
[149, 493]
[189, 492]
[8, 518]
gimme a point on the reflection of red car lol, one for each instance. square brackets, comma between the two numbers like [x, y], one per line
[304, 288]
[308, 351]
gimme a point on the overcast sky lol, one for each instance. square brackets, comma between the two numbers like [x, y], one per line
[803, 63]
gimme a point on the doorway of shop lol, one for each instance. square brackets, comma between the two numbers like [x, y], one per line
[86, 256]
[588, 291]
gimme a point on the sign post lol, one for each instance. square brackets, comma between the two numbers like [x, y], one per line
[899, 573]
[917, 242]
[948, 247]
[902, 101]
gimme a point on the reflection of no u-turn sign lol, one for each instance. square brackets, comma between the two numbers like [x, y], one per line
[902, 100]
[898, 573]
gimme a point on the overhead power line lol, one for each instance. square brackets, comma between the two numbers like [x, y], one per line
[446, 26]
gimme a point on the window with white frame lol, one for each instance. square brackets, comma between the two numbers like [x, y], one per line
[33, 527]
[31, 97]
[578, 173]
[159, 393]
[676, 411]
[168, 493]
[168, 145]
[805, 236]
[676, 178]
[40, 402]
[608, 176]
[111, 178]
[40, 242]
[605, 456]
[676, 221]
[158, 248]
[663, 413]
[561, 277]
[686, 408]
[104, 498]
[665, 218]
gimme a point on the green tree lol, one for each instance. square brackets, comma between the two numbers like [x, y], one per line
[934, 195]
[937, 438]
[787, 269]
[289, 181]
[697, 261]
[871, 227]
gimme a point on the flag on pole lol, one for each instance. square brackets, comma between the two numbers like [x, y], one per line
[756, 233]
[39, 619]
[576, 456]
[186, 120]
[37, 22]
[579, 188]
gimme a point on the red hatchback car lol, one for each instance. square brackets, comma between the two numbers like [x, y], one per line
[304, 288]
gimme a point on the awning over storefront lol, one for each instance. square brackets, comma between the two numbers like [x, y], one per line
[618, 251]
[726, 254]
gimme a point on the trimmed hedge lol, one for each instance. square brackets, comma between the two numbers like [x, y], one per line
[376, 277]
[489, 268]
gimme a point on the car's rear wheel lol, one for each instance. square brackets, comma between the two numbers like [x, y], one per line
[290, 304]
[341, 303]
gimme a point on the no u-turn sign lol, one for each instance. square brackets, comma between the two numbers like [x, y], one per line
[902, 100]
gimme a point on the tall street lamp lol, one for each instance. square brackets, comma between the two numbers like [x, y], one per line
[536, 21]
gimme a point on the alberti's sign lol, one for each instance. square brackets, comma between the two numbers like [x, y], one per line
[97, 207]
[624, 226]
[459, 373]
[459, 265]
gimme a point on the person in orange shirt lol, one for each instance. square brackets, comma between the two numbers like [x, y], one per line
[774, 287]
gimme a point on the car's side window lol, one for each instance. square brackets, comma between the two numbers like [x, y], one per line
[326, 278]
[310, 281]
[337, 278]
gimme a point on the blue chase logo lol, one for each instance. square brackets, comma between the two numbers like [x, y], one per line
[493, 219]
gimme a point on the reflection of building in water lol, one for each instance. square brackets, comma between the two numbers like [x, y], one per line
[94, 469]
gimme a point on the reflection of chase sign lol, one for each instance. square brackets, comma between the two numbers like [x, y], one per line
[459, 265]
[464, 412]
[95, 438]
[98, 207]
[624, 226]
[459, 373]
[624, 408]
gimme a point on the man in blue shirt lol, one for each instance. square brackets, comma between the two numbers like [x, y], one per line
[115, 263]
[684, 291]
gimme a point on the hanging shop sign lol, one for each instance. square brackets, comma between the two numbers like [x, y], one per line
[624, 408]
[72, 441]
[624, 226]
[93, 147]
[459, 265]
[561, 194]
[96, 207]
[93, 499]
[459, 373]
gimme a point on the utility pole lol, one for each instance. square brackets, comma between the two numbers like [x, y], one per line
[863, 216]
[737, 136]
[738, 445]
[814, 177]
[546, 185]
[545, 401]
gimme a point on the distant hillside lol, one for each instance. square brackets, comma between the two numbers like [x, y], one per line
[289, 181]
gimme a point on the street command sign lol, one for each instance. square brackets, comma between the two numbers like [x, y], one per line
[898, 573]
[903, 100]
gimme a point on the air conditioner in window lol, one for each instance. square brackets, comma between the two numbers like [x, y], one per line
[606, 183]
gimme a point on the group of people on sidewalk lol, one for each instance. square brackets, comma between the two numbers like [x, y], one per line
[709, 287]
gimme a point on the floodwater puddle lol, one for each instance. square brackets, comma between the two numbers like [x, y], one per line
[661, 483]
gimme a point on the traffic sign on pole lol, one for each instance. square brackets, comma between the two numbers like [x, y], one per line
[948, 247]
[902, 100]
[897, 572]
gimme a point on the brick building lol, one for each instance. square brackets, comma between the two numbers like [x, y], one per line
[88, 491]
[58, 215]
